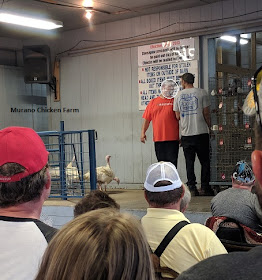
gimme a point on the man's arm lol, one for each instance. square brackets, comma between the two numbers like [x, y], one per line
[176, 109]
[206, 114]
[143, 130]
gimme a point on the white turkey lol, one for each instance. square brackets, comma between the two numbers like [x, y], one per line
[70, 171]
[104, 175]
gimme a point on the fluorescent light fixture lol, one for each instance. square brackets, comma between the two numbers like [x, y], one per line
[233, 39]
[229, 38]
[30, 22]
[246, 36]
[243, 41]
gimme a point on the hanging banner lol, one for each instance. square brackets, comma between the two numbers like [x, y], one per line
[151, 77]
[166, 52]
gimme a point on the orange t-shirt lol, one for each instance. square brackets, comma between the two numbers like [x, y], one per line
[165, 125]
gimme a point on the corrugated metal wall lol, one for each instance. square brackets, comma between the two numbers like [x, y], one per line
[104, 87]
[16, 95]
[103, 84]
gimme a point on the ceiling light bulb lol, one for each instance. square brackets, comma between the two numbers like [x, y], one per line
[88, 14]
[87, 3]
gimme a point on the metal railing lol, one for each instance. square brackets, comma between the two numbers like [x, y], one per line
[71, 155]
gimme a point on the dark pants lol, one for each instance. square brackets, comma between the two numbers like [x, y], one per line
[167, 151]
[192, 146]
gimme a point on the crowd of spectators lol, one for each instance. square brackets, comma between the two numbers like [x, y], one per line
[101, 242]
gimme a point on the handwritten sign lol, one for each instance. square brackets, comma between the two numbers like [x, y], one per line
[166, 52]
[151, 77]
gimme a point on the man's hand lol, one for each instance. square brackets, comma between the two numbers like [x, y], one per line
[143, 131]
[206, 114]
[143, 138]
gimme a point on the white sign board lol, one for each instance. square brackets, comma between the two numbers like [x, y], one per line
[151, 77]
[166, 52]
[166, 60]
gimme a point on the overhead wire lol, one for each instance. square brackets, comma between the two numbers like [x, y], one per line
[72, 5]
[60, 4]
[153, 31]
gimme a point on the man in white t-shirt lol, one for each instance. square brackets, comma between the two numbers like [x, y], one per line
[192, 109]
[25, 184]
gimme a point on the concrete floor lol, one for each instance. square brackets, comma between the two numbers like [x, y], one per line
[59, 212]
[134, 199]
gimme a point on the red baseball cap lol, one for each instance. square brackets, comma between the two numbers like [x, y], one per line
[24, 146]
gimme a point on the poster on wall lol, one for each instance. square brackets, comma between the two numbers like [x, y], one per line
[170, 51]
[151, 77]
[158, 62]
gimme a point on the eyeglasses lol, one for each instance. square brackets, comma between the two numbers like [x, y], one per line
[256, 86]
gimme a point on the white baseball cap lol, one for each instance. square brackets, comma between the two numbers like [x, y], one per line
[162, 171]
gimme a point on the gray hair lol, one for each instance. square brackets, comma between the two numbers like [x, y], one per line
[167, 82]
[185, 199]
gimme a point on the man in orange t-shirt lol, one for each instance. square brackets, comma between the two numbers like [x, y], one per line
[165, 124]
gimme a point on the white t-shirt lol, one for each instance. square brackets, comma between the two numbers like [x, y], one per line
[22, 244]
[190, 103]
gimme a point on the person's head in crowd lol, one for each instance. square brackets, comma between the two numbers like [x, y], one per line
[98, 245]
[95, 200]
[167, 88]
[24, 175]
[163, 187]
[187, 79]
[185, 199]
[243, 176]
